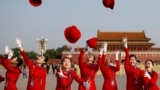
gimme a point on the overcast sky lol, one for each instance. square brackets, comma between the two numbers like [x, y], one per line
[19, 19]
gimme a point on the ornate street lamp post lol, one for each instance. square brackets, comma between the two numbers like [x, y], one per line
[42, 45]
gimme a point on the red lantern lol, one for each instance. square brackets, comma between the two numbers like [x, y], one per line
[108, 3]
[72, 34]
[92, 42]
[35, 3]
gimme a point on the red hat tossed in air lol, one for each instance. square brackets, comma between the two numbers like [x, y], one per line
[72, 34]
[35, 3]
[108, 3]
[92, 42]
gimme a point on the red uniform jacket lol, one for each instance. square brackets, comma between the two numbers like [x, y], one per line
[65, 83]
[12, 74]
[132, 74]
[37, 75]
[150, 84]
[88, 71]
[109, 74]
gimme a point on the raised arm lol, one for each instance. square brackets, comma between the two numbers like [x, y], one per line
[128, 67]
[6, 60]
[81, 58]
[7, 64]
[117, 67]
[126, 51]
[102, 53]
[23, 53]
[98, 63]
[126, 62]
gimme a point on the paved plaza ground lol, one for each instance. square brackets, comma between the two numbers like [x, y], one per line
[51, 81]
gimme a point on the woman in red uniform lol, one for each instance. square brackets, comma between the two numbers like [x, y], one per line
[13, 70]
[109, 72]
[65, 76]
[37, 73]
[149, 76]
[132, 71]
[88, 69]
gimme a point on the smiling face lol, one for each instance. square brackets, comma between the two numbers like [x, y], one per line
[133, 60]
[66, 63]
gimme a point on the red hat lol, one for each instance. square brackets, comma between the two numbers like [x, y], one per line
[108, 3]
[35, 3]
[72, 34]
[92, 42]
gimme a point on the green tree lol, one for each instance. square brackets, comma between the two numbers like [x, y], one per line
[59, 52]
[51, 53]
[16, 52]
[32, 54]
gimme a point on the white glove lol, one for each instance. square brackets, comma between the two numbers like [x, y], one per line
[61, 75]
[147, 75]
[6, 50]
[18, 41]
[105, 46]
[101, 51]
[10, 54]
[125, 42]
[87, 85]
[117, 55]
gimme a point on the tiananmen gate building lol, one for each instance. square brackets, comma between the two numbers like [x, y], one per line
[138, 44]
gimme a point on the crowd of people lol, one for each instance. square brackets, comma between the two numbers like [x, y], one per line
[136, 78]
